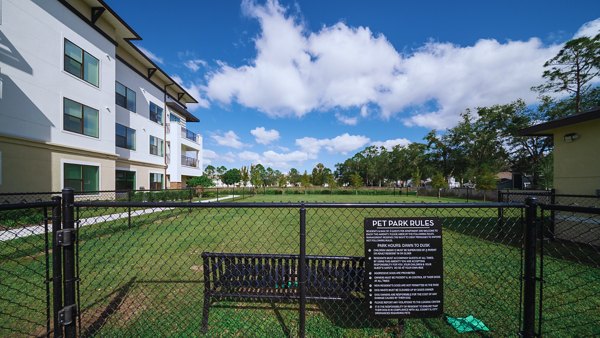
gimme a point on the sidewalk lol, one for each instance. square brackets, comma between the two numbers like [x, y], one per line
[33, 230]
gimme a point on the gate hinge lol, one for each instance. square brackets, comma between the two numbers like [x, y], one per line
[66, 315]
[65, 237]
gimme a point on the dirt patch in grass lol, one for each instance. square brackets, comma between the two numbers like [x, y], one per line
[197, 268]
[132, 307]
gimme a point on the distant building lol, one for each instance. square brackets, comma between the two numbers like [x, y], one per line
[82, 107]
[576, 151]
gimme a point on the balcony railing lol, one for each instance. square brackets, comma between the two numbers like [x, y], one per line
[189, 161]
[188, 134]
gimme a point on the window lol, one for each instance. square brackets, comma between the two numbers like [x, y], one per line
[81, 178]
[156, 146]
[81, 63]
[125, 180]
[156, 113]
[156, 181]
[80, 118]
[125, 97]
[174, 118]
[125, 137]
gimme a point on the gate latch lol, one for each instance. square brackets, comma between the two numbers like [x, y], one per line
[65, 316]
[65, 237]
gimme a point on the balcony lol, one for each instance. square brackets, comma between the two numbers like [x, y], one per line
[188, 134]
[189, 161]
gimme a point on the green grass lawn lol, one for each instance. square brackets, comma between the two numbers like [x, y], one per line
[147, 280]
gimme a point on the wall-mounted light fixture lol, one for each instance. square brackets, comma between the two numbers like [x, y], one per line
[570, 137]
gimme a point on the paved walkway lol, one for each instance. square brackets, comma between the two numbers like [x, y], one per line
[11, 234]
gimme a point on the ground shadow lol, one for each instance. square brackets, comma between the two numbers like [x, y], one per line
[351, 313]
[111, 308]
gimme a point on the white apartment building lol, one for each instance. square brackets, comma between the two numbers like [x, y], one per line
[82, 107]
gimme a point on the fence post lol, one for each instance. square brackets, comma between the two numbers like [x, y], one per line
[302, 272]
[68, 312]
[129, 209]
[529, 269]
[500, 216]
[550, 231]
[56, 265]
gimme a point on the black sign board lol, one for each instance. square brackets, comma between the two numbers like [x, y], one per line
[404, 267]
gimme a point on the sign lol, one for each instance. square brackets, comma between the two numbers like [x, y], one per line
[404, 267]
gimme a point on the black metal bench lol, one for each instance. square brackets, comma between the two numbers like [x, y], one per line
[276, 277]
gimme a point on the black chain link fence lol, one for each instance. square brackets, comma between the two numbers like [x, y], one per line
[25, 283]
[570, 271]
[149, 277]
[151, 268]
[549, 197]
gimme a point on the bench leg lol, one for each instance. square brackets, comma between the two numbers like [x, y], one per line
[205, 310]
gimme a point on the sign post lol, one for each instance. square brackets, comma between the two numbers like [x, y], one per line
[404, 267]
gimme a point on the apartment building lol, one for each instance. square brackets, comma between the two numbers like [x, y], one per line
[83, 107]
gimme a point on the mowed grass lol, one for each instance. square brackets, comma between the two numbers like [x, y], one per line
[147, 279]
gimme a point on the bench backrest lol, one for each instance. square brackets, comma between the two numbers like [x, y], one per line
[326, 275]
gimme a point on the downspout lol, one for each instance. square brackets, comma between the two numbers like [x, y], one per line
[165, 131]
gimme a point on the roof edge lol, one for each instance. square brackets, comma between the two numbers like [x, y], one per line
[543, 128]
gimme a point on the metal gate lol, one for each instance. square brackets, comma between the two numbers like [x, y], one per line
[26, 280]
[568, 274]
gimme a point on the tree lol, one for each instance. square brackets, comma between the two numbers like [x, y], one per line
[547, 172]
[416, 179]
[220, 171]
[573, 69]
[210, 171]
[281, 181]
[200, 182]
[244, 175]
[438, 182]
[294, 177]
[305, 180]
[231, 176]
[486, 180]
[257, 172]
[317, 175]
[330, 180]
[356, 181]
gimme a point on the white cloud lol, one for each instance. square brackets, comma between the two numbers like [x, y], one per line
[347, 120]
[297, 71]
[229, 157]
[249, 156]
[208, 156]
[228, 139]
[389, 144]
[264, 136]
[194, 64]
[340, 144]
[151, 55]
[195, 90]
[589, 29]
[364, 111]
[282, 160]
[274, 159]
[296, 156]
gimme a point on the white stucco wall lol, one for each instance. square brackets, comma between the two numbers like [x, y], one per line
[34, 81]
[139, 120]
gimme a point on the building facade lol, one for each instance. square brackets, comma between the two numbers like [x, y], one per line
[83, 107]
[576, 151]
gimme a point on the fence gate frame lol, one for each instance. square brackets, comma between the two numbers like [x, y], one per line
[64, 234]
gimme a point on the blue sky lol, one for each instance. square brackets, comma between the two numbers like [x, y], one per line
[290, 84]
